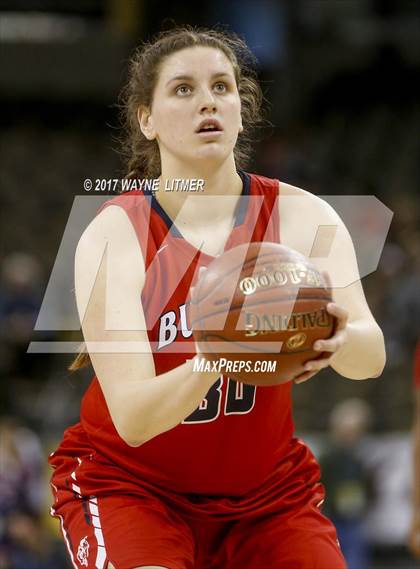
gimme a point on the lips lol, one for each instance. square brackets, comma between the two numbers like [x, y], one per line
[209, 125]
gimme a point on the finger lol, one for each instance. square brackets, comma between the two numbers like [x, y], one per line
[340, 314]
[332, 344]
[337, 310]
[317, 365]
[304, 377]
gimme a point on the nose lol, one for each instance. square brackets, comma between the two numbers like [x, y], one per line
[208, 102]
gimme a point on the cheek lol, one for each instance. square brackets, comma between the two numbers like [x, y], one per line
[171, 124]
[234, 112]
[235, 118]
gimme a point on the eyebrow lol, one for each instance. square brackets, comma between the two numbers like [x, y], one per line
[190, 78]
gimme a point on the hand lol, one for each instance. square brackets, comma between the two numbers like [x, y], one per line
[330, 346]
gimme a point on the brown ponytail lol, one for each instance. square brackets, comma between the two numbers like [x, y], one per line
[81, 360]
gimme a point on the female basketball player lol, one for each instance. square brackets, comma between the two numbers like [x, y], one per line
[169, 467]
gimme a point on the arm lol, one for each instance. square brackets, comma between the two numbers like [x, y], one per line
[357, 348]
[109, 277]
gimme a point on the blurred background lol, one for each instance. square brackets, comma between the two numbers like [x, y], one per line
[341, 79]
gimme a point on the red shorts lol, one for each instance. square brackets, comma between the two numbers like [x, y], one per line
[131, 525]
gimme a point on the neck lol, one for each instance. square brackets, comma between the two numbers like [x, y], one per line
[216, 199]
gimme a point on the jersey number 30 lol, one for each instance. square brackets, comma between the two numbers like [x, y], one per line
[240, 399]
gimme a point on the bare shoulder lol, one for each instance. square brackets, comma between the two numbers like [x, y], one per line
[298, 199]
[108, 246]
[111, 229]
[111, 224]
[301, 215]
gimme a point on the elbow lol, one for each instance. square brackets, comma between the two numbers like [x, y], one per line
[380, 357]
[372, 374]
[132, 438]
[132, 441]
[126, 420]
[133, 444]
[360, 375]
[378, 372]
[376, 358]
[138, 435]
[377, 364]
[370, 366]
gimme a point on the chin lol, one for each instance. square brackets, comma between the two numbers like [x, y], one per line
[213, 153]
[207, 156]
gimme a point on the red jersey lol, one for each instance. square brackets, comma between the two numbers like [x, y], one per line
[239, 434]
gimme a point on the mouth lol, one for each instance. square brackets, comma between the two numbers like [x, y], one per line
[209, 128]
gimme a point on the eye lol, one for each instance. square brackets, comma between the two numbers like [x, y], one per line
[183, 90]
[220, 87]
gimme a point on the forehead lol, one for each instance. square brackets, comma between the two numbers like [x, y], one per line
[201, 60]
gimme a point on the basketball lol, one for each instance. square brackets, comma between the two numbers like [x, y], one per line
[258, 309]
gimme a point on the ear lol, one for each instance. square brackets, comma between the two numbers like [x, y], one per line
[146, 122]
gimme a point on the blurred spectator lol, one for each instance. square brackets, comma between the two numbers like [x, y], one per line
[24, 543]
[27, 545]
[20, 298]
[346, 479]
[22, 460]
[388, 459]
